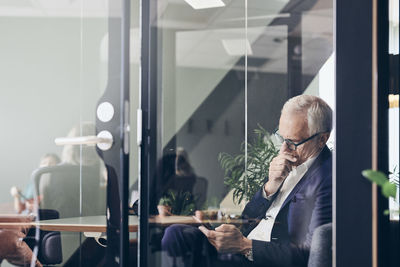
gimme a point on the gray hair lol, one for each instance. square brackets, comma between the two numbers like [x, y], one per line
[319, 114]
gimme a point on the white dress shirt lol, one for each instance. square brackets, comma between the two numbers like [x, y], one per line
[263, 230]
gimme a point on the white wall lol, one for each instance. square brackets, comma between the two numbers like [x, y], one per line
[45, 88]
[49, 81]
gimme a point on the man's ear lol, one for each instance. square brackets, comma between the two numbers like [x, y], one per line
[323, 138]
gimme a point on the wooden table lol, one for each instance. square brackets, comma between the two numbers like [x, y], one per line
[97, 224]
[84, 224]
[15, 221]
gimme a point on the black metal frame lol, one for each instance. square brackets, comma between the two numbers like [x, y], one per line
[352, 223]
[150, 111]
[116, 159]
[124, 133]
[383, 221]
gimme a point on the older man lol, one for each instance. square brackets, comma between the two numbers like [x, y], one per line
[296, 199]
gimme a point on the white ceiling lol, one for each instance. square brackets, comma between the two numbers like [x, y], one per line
[199, 34]
[54, 8]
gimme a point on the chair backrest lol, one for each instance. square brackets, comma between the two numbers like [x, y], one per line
[200, 191]
[50, 251]
[71, 190]
[321, 247]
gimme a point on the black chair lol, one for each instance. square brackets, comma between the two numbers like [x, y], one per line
[321, 247]
[66, 191]
[200, 191]
[49, 243]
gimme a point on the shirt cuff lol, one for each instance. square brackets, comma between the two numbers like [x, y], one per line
[264, 194]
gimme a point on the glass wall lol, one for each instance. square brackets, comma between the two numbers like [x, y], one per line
[224, 69]
[53, 73]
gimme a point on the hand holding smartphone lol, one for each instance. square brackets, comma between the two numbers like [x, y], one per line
[204, 223]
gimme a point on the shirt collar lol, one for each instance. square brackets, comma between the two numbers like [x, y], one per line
[311, 160]
[307, 164]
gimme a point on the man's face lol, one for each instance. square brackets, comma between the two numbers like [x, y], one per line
[294, 126]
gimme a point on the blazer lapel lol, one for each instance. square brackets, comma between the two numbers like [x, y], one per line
[325, 153]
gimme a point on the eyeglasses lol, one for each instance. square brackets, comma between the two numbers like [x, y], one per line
[290, 144]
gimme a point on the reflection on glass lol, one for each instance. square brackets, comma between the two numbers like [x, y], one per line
[224, 74]
[24, 200]
[74, 187]
[52, 80]
[177, 188]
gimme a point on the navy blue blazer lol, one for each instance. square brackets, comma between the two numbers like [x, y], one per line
[308, 206]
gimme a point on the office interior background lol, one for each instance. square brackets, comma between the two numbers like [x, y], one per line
[203, 75]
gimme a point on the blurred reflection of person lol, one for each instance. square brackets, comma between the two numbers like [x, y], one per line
[24, 201]
[76, 154]
[12, 247]
[174, 174]
[62, 194]
[296, 199]
[77, 191]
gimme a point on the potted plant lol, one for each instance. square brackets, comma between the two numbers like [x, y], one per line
[260, 152]
[178, 203]
[164, 206]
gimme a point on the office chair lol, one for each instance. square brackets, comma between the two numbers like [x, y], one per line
[321, 247]
[71, 190]
[200, 191]
[49, 244]
[66, 191]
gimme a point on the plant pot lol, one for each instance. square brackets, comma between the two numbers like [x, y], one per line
[164, 210]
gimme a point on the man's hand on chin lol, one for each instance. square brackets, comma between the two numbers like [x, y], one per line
[227, 239]
[279, 169]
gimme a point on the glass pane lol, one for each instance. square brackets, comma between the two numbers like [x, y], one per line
[134, 170]
[54, 73]
[201, 89]
[294, 174]
[225, 69]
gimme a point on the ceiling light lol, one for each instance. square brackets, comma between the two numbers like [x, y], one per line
[201, 4]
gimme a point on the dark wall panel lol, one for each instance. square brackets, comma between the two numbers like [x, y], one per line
[353, 132]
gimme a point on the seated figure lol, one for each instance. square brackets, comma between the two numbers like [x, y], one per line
[295, 200]
[175, 176]
[73, 187]
[24, 202]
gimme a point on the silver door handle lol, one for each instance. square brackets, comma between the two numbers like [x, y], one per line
[103, 140]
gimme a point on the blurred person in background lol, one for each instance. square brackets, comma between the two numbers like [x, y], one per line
[24, 201]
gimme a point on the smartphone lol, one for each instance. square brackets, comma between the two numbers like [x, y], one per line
[204, 223]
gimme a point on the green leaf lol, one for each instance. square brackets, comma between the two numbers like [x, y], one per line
[375, 176]
[389, 189]
[386, 212]
[260, 151]
[394, 212]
